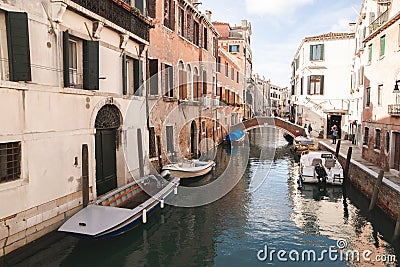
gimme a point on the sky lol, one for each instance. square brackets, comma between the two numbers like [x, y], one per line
[279, 26]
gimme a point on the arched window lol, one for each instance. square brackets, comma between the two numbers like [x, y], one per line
[196, 84]
[182, 81]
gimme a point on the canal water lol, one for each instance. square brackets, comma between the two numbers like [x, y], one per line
[247, 227]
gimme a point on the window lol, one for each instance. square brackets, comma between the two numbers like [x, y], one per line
[380, 87]
[317, 52]
[81, 62]
[189, 27]
[10, 162]
[196, 29]
[237, 76]
[205, 38]
[218, 64]
[367, 96]
[139, 5]
[167, 80]
[232, 73]
[361, 75]
[297, 63]
[377, 139]
[387, 142]
[73, 63]
[383, 45]
[234, 48]
[153, 68]
[366, 136]
[169, 14]
[152, 143]
[151, 8]
[170, 138]
[316, 85]
[398, 37]
[203, 127]
[226, 69]
[370, 53]
[132, 75]
[215, 47]
[181, 22]
[301, 86]
[15, 64]
[204, 82]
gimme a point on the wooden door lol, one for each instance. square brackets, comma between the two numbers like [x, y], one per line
[106, 168]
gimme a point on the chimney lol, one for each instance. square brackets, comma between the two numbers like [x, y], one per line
[352, 26]
[208, 14]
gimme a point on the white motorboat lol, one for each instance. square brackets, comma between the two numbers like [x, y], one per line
[121, 209]
[189, 168]
[320, 167]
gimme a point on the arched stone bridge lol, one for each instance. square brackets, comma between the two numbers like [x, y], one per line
[290, 128]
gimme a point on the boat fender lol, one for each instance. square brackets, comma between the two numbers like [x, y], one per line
[144, 216]
[165, 174]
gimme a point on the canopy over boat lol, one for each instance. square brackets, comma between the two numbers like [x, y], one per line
[236, 135]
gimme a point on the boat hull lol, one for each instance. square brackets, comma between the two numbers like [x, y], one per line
[186, 173]
[333, 172]
[98, 221]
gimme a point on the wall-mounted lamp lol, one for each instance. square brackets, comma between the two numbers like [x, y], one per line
[396, 87]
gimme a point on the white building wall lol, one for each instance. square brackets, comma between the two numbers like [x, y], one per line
[52, 123]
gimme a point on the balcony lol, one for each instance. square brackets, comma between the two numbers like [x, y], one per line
[119, 13]
[394, 110]
[379, 21]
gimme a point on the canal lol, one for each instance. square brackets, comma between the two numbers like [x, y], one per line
[247, 227]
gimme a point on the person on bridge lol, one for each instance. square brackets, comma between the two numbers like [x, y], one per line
[334, 134]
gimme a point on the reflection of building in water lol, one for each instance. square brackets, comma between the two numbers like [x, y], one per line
[323, 211]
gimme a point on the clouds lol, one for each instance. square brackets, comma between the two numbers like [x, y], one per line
[273, 7]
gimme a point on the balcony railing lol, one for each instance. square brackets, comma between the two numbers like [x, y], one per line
[394, 110]
[379, 21]
[116, 12]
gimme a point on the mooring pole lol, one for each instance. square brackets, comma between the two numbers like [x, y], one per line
[376, 190]
[347, 167]
[397, 229]
[338, 148]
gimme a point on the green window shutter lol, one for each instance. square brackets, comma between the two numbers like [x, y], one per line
[322, 46]
[137, 78]
[124, 75]
[311, 52]
[66, 58]
[18, 46]
[322, 85]
[91, 65]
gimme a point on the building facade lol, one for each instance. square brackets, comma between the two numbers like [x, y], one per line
[236, 40]
[321, 80]
[71, 72]
[378, 78]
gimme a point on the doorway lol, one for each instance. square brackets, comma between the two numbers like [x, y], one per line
[334, 120]
[107, 124]
[396, 140]
[193, 140]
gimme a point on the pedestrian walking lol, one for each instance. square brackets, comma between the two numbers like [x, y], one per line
[309, 128]
[334, 134]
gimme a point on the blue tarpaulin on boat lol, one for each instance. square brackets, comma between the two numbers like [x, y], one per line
[235, 135]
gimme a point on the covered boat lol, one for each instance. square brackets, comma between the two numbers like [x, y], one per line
[121, 209]
[320, 167]
[235, 137]
[189, 168]
[303, 144]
